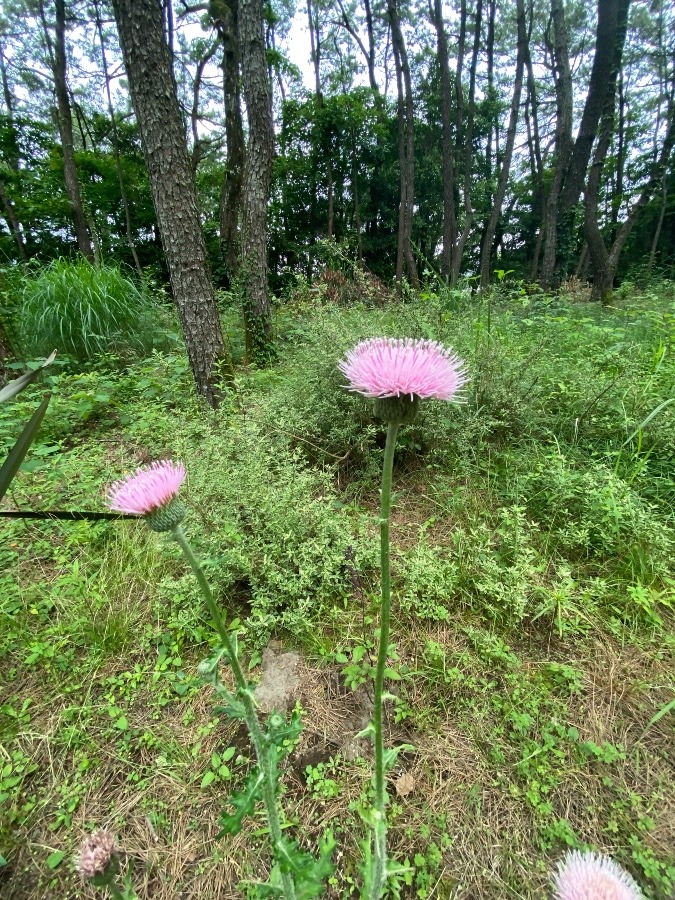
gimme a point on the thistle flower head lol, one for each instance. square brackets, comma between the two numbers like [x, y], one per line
[592, 876]
[95, 854]
[152, 492]
[388, 367]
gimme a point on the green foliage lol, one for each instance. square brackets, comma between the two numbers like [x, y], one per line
[18, 451]
[532, 534]
[84, 311]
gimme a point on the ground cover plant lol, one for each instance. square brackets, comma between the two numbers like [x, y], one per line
[531, 635]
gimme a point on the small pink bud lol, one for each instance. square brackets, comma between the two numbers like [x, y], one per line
[96, 852]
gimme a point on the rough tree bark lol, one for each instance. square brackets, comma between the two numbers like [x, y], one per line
[498, 199]
[256, 185]
[153, 91]
[406, 152]
[65, 121]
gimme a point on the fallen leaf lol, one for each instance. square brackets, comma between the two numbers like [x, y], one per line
[405, 784]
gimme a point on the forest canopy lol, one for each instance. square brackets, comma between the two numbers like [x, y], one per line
[458, 138]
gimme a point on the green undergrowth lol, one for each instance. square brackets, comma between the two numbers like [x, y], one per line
[532, 558]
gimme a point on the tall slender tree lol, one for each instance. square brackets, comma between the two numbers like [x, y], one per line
[406, 151]
[498, 199]
[153, 90]
[447, 160]
[252, 278]
[57, 55]
[562, 74]
[225, 16]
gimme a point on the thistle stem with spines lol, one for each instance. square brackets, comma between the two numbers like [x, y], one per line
[380, 828]
[252, 722]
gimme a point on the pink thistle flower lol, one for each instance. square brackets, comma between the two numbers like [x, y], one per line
[592, 876]
[96, 852]
[388, 367]
[148, 490]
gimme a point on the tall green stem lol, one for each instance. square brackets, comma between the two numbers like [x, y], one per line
[380, 829]
[255, 731]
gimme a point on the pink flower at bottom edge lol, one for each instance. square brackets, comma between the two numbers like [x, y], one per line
[389, 367]
[96, 852]
[148, 489]
[593, 876]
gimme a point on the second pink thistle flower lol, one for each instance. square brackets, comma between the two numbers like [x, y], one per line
[400, 373]
[389, 367]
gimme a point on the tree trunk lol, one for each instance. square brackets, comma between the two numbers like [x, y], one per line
[315, 46]
[116, 144]
[448, 165]
[604, 264]
[490, 54]
[468, 140]
[197, 141]
[534, 143]
[65, 120]
[153, 92]
[256, 186]
[226, 20]
[406, 151]
[610, 14]
[13, 223]
[563, 138]
[486, 252]
[617, 192]
[659, 223]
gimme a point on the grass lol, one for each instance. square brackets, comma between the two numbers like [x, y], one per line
[83, 311]
[532, 539]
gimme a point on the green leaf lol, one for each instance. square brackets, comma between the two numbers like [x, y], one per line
[243, 802]
[122, 724]
[15, 387]
[3, 861]
[55, 859]
[646, 421]
[228, 754]
[16, 455]
[308, 873]
[659, 715]
[207, 779]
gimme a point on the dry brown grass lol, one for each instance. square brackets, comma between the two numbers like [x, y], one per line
[492, 833]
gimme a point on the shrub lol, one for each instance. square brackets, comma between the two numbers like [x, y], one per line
[273, 535]
[82, 311]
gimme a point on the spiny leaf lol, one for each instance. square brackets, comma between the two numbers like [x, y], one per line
[243, 802]
[308, 873]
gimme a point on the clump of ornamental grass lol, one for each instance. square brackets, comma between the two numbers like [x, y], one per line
[152, 493]
[398, 375]
[83, 310]
[592, 876]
